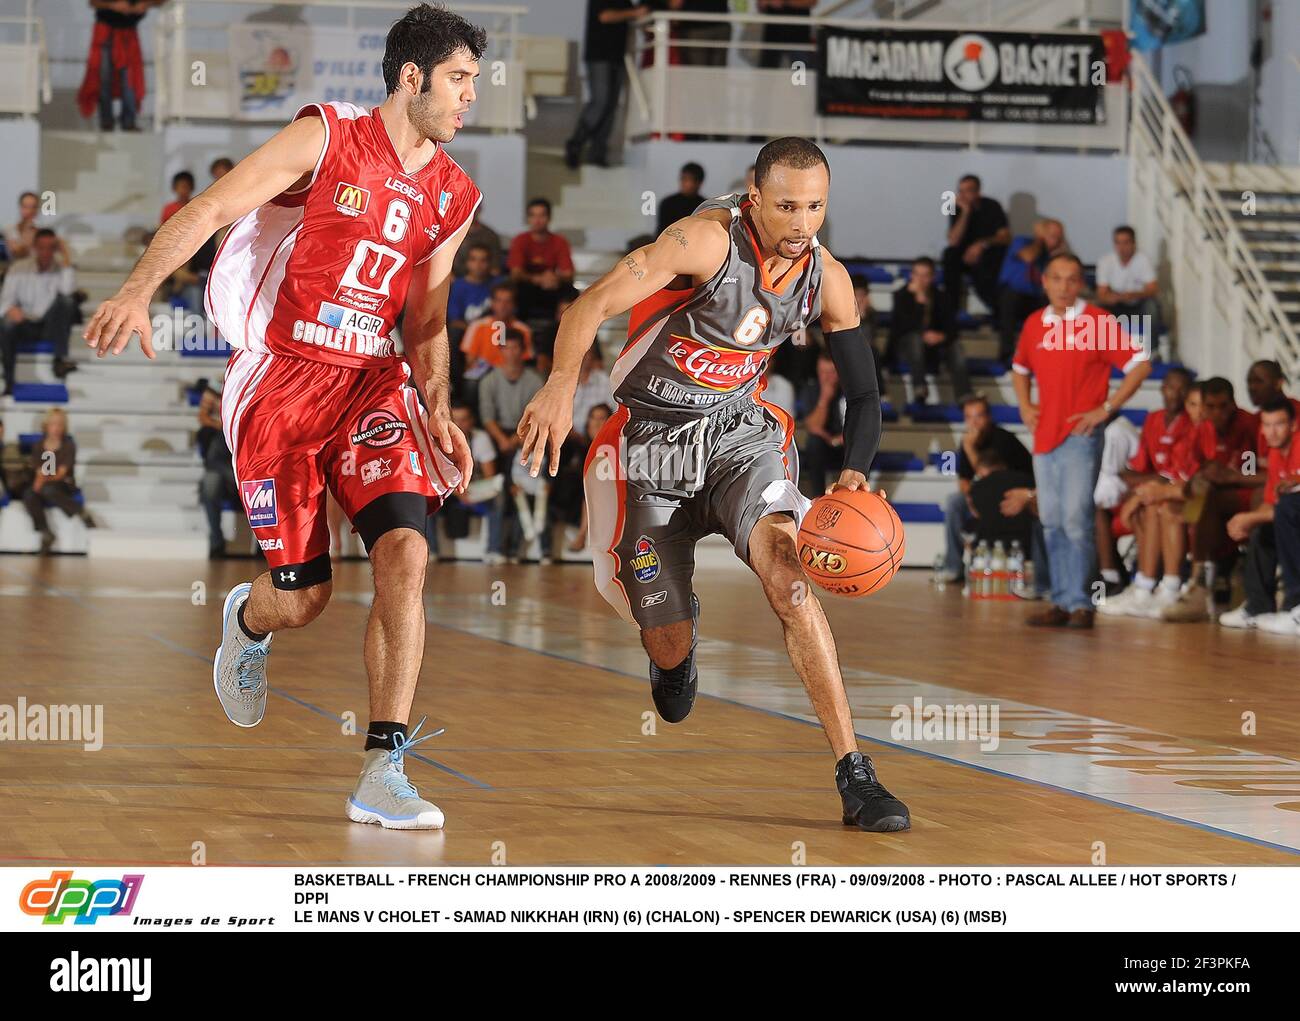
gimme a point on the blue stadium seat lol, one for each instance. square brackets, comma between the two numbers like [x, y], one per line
[919, 513]
[41, 393]
[888, 413]
[35, 347]
[985, 367]
[897, 461]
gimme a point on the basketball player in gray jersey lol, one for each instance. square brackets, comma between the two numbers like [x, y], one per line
[694, 449]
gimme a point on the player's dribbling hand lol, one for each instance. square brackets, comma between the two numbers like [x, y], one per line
[851, 480]
[453, 443]
[111, 327]
[548, 419]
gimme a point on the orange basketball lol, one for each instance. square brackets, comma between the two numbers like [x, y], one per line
[851, 542]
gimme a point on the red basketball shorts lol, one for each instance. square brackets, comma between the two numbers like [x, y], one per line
[297, 427]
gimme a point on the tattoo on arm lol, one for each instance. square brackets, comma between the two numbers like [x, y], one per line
[630, 263]
[676, 234]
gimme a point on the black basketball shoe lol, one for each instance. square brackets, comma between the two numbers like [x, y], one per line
[867, 804]
[673, 690]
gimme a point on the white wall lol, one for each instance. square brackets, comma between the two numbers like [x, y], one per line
[20, 142]
[885, 203]
[1279, 86]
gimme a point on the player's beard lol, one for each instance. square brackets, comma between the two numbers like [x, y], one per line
[429, 119]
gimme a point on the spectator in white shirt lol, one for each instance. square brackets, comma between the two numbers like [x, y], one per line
[1119, 444]
[593, 388]
[1126, 285]
[36, 303]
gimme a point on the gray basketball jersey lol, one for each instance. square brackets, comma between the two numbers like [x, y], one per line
[707, 347]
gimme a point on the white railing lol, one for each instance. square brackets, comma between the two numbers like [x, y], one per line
[1036, 14]
[738, 100]
[1225, 311]
[25, 83]
[199, 77]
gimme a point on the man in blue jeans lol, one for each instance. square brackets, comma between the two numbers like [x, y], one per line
[1069, 348]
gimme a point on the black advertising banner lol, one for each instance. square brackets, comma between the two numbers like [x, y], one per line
[953, 75]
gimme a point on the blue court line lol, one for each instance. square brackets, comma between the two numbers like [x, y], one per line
[1150, 813]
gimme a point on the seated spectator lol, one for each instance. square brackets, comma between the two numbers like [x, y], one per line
[1218, 486]
[567, 503]
[978, 236]
[471, 294]
[37, 303]
[1265, 383]
[220, 167]
[988, 491]
[19, 238]
[503, 394]
[183, 189]
[593, 388]
[540, 264]
[1119, 444]
[822, 405]
[923, 329]
[479, 233]
[218, 482]
[1151, 481]
[456, 510]
[685, 201]
[52, 463]
[484, 340]
[1126, 285]
[1020, 282]
[1274, 540]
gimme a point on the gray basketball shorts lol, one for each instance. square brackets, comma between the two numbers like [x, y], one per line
[657, 482]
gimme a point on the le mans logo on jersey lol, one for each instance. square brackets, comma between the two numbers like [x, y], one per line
[645, 560]
[351, 199]
[259, 501]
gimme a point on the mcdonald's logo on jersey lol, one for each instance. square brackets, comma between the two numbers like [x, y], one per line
[351, 199]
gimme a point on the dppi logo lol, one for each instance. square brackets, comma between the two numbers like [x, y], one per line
[645, 560]
[822, 560]
[379, 429]
[61, 896]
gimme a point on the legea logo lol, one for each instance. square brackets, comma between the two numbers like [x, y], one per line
[61, 897]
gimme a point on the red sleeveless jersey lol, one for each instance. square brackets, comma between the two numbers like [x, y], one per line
[322, 272]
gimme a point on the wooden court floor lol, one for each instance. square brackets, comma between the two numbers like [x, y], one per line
[1137, 743]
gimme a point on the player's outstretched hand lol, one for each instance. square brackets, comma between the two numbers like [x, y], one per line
[547, 421]
[849, 479]
[115, 321]
[452, 442]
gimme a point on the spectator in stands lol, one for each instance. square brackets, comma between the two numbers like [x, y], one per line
[1151, 479]
[923, 329]
[993, 481]
[455, 510]
[540, 264]
[685, 200]
[822, 406]
[37, 302]
[218, 482]
[1272, 539]
[980, 437]
[567, 505]
[1120, 442]
[1020, 282]
[485, 337]
[479, 233]
[786, 33]
[18, 238]
[1218, 467]
[1069, 349]
[53, 460]
[978, 236]
[183, 189]
[1126, 283]
[593, 388]
[503, 394]
[1265, 383]
[471, 293]
[604, 44]
[220, 167]
[688, 32]
[114, 66]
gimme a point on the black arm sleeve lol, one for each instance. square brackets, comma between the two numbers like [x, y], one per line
[857, 371]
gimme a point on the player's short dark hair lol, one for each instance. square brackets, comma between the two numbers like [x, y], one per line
[502, 285]
[1068, 257]
[182, 175]
[1197, 387]
[544, 203]
[975, 399]
[1279, 404]
[44, 232]
[425, 36]
[27, 193]
[970, 177]
[1217, 386]
[221, 161]
[693, 170]
[925, 260]
[1124, 228]
[1272, 368]
[479, 246]
[1180, 370]
[791, 151]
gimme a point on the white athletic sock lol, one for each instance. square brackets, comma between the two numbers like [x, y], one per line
[1110, 575]
[1145, 583]
[1171, 583]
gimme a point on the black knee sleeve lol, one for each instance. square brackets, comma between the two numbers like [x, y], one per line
[389, 511]
[291, 577]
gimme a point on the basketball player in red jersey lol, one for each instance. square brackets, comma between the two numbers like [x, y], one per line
[342, 220]
[694, 449]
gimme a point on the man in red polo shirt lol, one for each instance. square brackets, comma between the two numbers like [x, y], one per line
[1221, 475]
[1069, 348]
[1274, 539]
[540, 264]
[1264, 383]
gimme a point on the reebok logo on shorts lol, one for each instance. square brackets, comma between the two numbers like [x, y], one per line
[379, 429]
[655, 598]
[259, 501]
